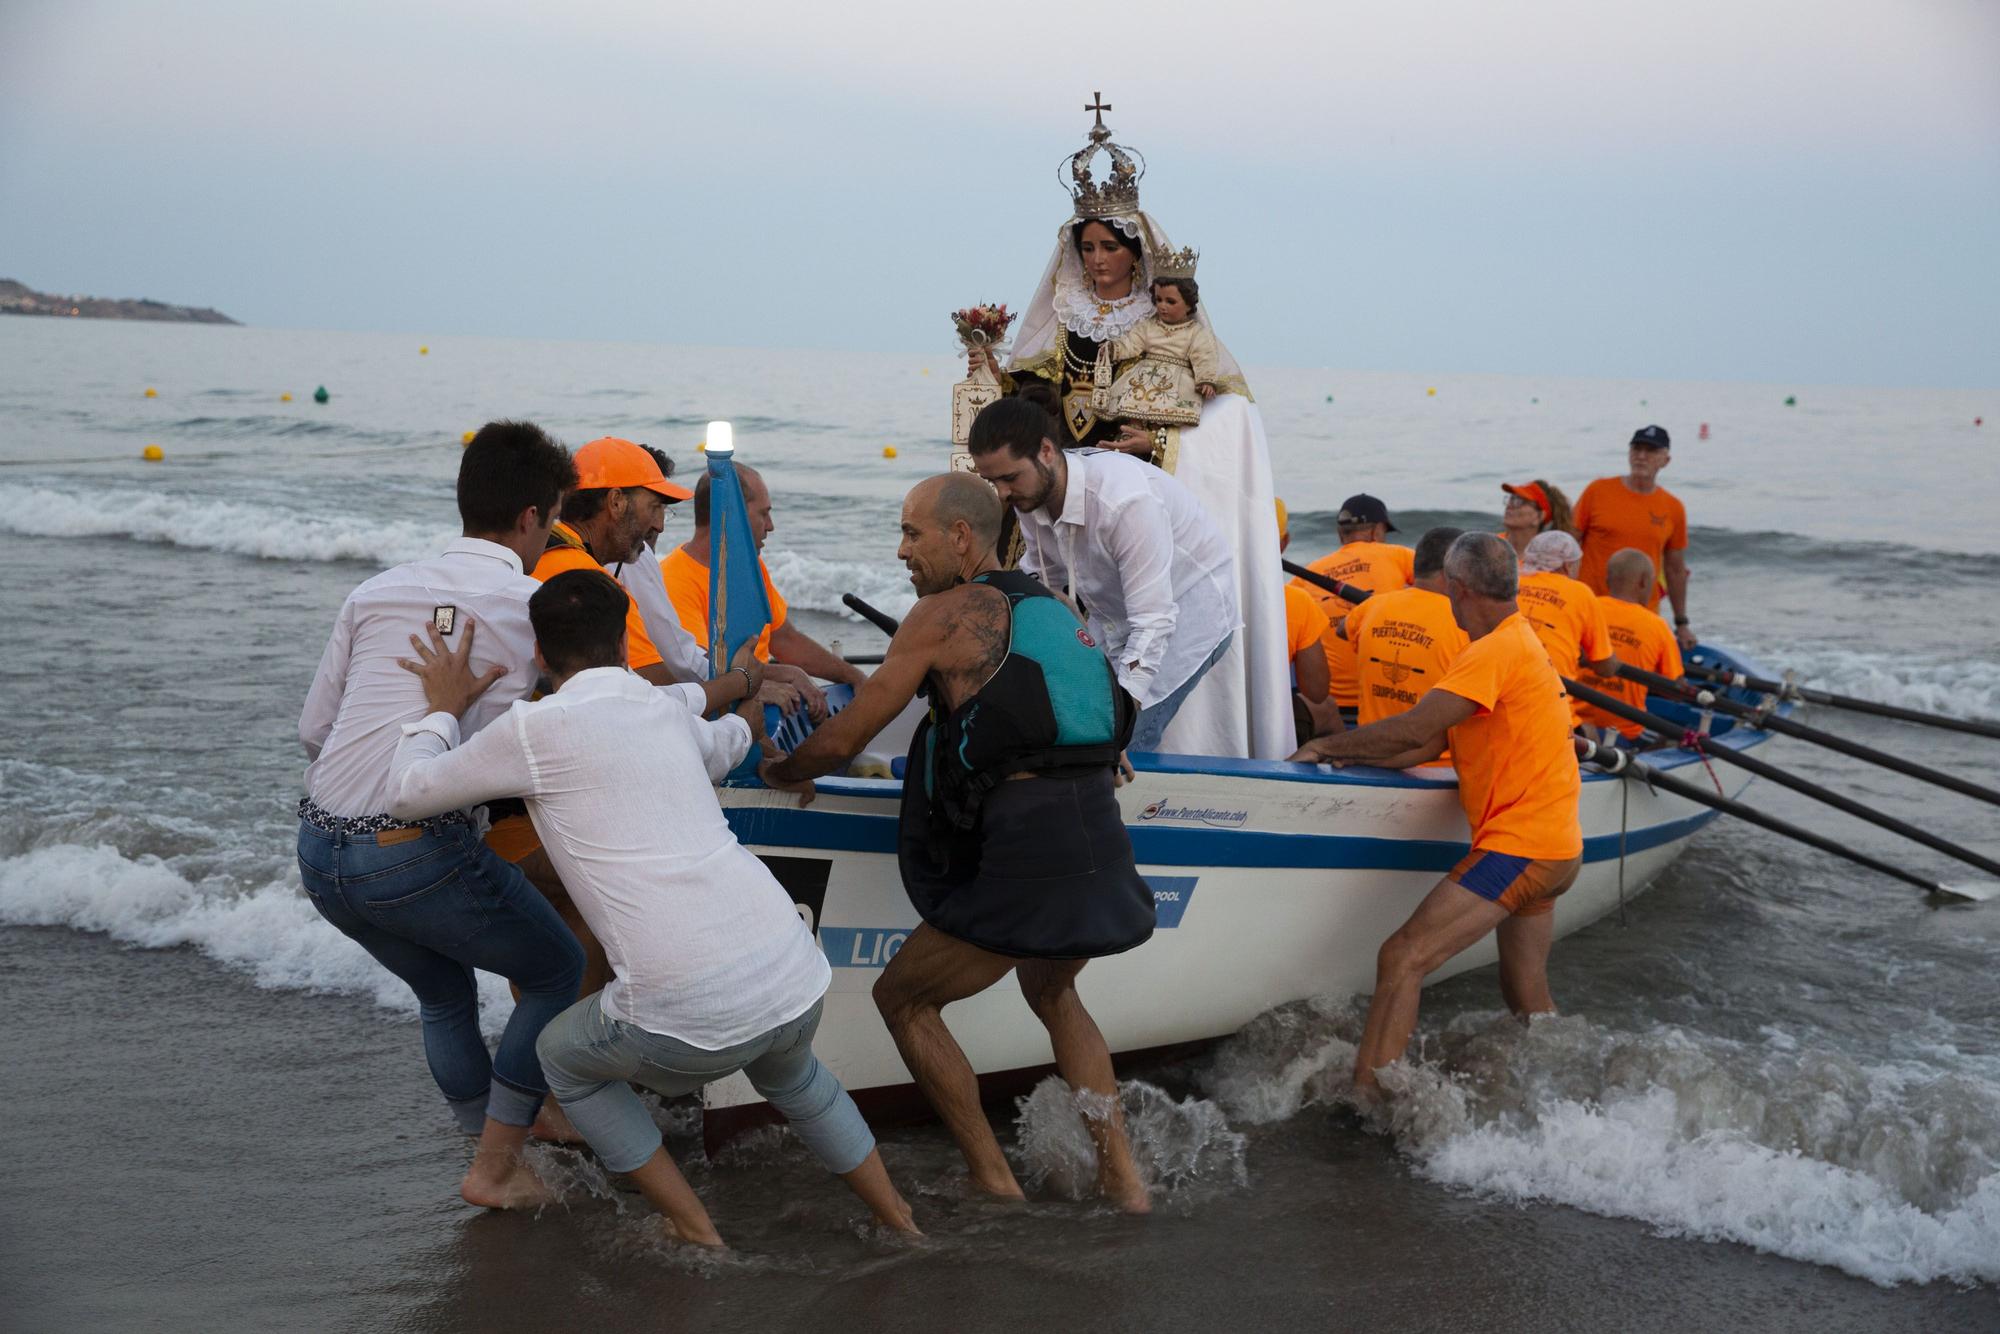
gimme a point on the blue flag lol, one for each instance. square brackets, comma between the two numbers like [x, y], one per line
[738, 610]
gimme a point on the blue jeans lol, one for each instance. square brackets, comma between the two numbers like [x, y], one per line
[1152, 722]
[431, 909]
[593, 1060]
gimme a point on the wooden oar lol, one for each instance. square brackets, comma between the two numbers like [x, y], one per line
[1976, 726]
[1624, 764]
[1618, 708]
[1334, 586]
[1772, 722]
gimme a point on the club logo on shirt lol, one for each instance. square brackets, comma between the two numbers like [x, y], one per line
[1083, 638]
[444, 619]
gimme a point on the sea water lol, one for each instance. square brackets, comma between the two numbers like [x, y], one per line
[1771, 1048]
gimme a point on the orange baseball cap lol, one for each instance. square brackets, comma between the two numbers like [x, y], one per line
[1534, 495]
[609, 461]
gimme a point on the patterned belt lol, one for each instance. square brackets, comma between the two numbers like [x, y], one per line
[322, 819]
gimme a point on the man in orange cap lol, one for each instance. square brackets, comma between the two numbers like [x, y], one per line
[620, 503]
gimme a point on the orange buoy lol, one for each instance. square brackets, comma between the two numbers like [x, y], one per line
[1704, 430]
[152, 392]
[152, 453]
[888, 451]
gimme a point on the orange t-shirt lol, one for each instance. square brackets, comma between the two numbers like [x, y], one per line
[1376, 566]
[566, 552]
[1404, 642]
[1611, 516]
[1567, 617]
[687, 589]
[1517, 772]
[1305, 623]
[1642, 639]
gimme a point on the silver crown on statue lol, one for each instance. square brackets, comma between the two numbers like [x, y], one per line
[1176, 263]
[1119, 194]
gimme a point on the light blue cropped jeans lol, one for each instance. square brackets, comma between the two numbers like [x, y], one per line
[592, 1060]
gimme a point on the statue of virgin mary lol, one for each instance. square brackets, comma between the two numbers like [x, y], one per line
[1096, 288]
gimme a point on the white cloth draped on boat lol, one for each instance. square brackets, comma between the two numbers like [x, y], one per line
[1243, 706]
[1246, 698]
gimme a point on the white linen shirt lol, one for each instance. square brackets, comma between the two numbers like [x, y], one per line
[360, 698]
[705, 945]
[642, 579]
[1148, 564]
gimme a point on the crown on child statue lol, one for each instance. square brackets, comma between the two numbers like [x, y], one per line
[1119, 193]
[1176, 263]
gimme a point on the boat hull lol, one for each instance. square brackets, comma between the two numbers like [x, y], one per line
[1272, 882]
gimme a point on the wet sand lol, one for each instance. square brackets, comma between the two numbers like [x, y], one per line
[197, 1153]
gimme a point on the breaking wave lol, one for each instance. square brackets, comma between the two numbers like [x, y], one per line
[269, 932]
[1890, 1173]
[215, 525]
[814, 583]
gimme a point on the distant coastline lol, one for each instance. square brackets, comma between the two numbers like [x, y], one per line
[20, 299]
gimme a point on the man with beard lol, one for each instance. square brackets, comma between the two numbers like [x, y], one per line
[1129, 543]
[1011, 845]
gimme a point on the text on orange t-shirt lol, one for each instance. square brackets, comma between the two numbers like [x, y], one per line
[1379, 567]
[687, 589]
[566, 552]
[1611, 516]
[1517, 772]
[1404, 643]
[1642, 639]
[1567, 618]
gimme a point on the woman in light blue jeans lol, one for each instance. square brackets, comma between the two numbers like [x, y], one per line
[592, 1059]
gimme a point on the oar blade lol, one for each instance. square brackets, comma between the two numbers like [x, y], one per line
[1975, 891]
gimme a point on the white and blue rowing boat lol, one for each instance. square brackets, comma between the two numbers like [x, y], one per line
[1273, 881]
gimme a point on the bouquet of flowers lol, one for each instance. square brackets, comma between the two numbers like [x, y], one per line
[982, 327]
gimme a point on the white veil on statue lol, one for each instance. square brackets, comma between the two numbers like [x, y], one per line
[1243, 705]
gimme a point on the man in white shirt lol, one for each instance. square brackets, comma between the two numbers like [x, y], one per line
[1127, 541]
[426, 897]
[712, 969]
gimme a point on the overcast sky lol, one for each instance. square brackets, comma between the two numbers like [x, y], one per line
[1784, 190]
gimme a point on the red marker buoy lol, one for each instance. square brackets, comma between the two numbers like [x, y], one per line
[1979, 421]
[1704, 430]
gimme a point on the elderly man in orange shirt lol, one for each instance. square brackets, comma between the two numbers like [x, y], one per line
[1638, 637]
[1503, 712]
[1365, 560]
[1565, 613]
[1636, 511]
[795, 657]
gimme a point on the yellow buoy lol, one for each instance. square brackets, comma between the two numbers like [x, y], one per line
[927, 370]
[284, 398]
[466, 439]
[889, 451]
[152, 453]
[701, 448]
[1431, 392]
[424, 351]
[152, 393]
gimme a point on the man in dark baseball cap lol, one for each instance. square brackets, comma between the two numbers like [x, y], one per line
[1635, 511]
[1364, 560]
[1364, 511]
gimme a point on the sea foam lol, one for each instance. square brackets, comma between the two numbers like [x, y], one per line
[207, 524]
[1891, 1173]
[270, 932]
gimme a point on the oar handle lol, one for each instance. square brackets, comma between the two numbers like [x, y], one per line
[1625, 765]
[1618, 708]
[1791, 727]
[881, 620]
[1973, 726]
[1338, 588]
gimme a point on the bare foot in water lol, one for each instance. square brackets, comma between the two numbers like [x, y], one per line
[999, 1188]
[693, 1235]
[504, 1185]
[552, 1125]
[1120, 1184]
